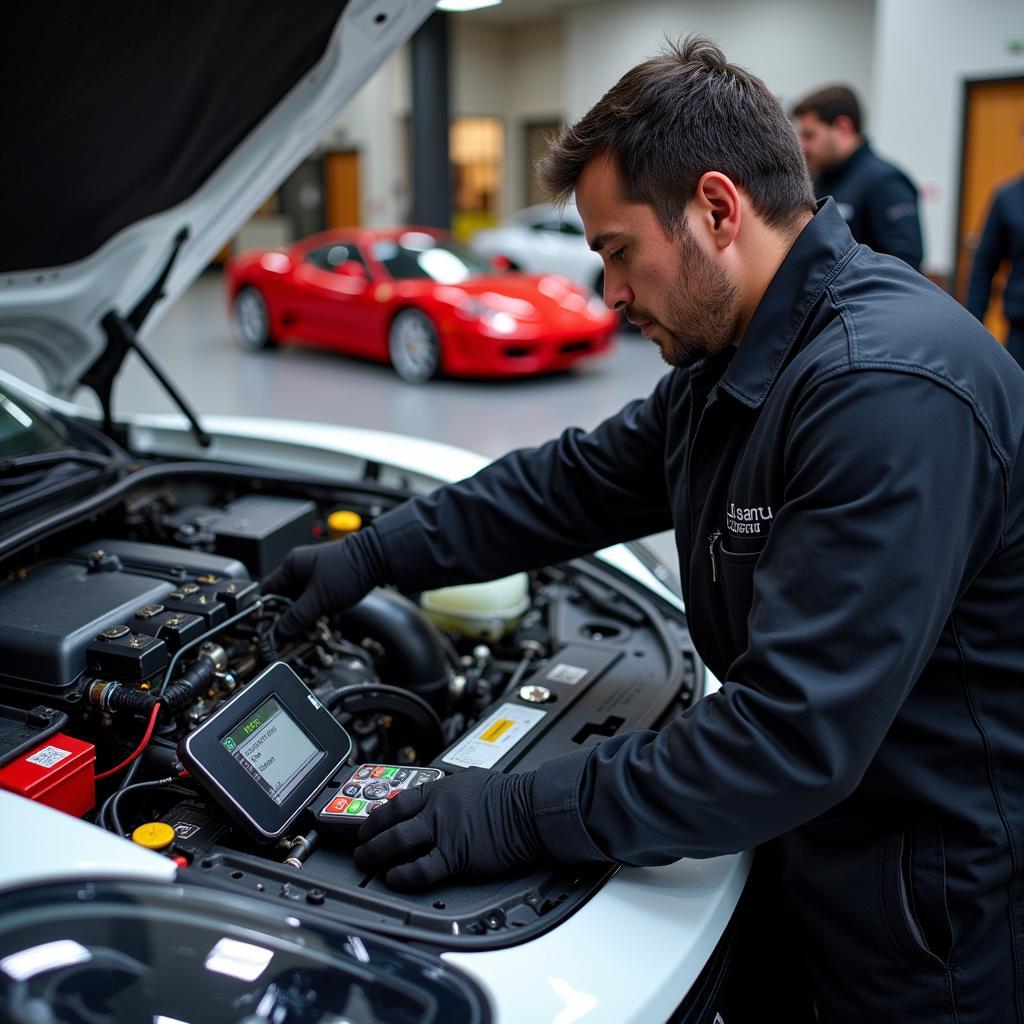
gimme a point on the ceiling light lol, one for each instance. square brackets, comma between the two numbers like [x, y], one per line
[465, 5]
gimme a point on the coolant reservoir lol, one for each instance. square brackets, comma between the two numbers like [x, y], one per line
[479, 611]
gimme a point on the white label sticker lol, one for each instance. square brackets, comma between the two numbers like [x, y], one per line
[48, 757]
[494, 737]
[571, 674]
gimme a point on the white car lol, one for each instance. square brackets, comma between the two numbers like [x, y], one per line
[543, 239]
[164, 761]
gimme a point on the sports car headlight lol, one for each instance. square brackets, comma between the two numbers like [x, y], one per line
[499, 321]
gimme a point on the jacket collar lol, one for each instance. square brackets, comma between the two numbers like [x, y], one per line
[820, 251]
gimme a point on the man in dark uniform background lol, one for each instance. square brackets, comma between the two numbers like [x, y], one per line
[877, 200]
[1002, 239]
[868, 636]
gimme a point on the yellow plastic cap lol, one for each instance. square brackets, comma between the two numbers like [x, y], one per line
[343, 521]
[154, 835]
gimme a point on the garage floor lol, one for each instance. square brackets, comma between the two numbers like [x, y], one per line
[194, 346]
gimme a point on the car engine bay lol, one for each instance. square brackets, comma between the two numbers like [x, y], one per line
[127, 628]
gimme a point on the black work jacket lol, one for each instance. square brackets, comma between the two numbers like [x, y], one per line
[847, 495]
[878, 202]
[1002, 239]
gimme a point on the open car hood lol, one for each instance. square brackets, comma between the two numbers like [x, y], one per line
[144, 136]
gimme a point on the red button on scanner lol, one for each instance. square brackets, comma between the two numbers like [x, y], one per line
[337, 805]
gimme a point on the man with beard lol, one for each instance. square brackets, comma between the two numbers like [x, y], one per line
[877, 200]
[838, 450]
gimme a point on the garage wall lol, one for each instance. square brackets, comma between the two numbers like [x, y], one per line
[536, 94]
[517, 74]
[373, 124]
[924, 49]
[794, 45]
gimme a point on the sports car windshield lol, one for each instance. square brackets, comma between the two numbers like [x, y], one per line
[419, 255]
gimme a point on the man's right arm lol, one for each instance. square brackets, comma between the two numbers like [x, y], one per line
[987, 257]
[573, 495]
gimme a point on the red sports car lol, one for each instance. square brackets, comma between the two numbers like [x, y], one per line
[413, 297]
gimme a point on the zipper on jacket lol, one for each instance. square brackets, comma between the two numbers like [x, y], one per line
[712, 544]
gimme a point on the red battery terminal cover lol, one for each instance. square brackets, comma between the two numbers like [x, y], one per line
[59, 772]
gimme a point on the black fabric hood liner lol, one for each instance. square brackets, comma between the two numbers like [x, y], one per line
[120, 109]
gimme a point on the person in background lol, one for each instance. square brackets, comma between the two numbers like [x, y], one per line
[1002, 239]
[877, 200]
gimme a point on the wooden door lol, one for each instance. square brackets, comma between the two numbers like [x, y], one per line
[341, 183]
[991, 155]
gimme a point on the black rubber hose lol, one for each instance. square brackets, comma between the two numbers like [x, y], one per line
[175, 696]
[379, 698]
[416, 658]
[122, 698]
[182, 692]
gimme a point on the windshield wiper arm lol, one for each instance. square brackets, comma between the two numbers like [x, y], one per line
[122, 332]
[51, 458]
[122, 338]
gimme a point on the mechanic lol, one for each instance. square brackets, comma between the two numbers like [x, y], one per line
[1002, 239]
[868, 633]
[877, 200]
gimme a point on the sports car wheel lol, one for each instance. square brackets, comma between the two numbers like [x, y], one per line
[251, 320]
[414, 346]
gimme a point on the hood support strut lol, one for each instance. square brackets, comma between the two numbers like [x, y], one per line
[122, 339]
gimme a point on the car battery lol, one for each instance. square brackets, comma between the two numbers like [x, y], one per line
[58, 772]
[22, 730]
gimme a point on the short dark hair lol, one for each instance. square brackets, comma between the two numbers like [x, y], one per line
[831, 102]
[677, 116]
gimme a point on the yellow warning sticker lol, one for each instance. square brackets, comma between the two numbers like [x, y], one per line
[496, 731]
[495, 737]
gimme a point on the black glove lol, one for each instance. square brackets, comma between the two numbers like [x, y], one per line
[326, 577]
[474, 823]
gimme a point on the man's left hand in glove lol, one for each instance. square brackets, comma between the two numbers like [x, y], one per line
[473, 823]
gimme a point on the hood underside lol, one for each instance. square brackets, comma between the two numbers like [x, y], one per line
[137, 122]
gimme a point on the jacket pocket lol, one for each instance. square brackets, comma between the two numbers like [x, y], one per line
[737, 576]
[913, 891]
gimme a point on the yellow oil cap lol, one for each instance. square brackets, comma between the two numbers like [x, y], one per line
[343, 522]
[154, 835]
